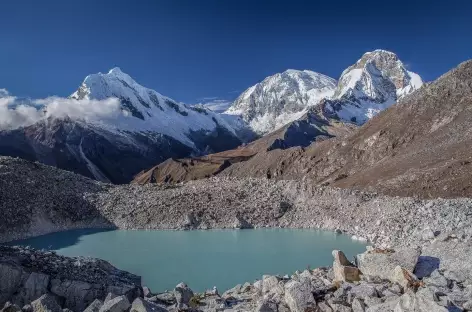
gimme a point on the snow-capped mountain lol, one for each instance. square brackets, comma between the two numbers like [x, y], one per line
[147, 110]
[372, 84]
[281, 98]
[112, 128]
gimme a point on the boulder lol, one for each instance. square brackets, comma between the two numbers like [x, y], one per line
[404, 278]
[436, 279]
[422, 301]
[298, 297]
[182, 294]
[343, 269]
[77, 294]
[141, 305]
[35, 286]
[46, 303]
[268, 283]
[10, 307]
[381, 263]
[363, 291]
[266, 306]
[11, 276]
[147, 292]
[357, 305]
[118, 304]
[324, 307]
[94, 306]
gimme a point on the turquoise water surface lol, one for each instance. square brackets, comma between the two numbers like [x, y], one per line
[202, 259]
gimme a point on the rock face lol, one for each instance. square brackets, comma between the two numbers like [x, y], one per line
[343, 269]
[146, 129]
[281, 98]
[28, 275]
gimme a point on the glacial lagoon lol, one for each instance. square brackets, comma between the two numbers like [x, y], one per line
[202, 259]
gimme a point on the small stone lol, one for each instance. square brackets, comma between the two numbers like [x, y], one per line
[357, 305]
[182, 294]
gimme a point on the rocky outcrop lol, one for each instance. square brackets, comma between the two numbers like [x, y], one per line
[27, 274]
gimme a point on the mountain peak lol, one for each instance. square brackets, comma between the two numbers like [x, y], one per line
[115, 71]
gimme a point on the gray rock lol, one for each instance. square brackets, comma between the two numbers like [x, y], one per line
[46, 303]
[357, 305]
[182, 294]
[35, 286]
[266, 306]
[109, 297]
[436, 279]
[27, 308]
[77, 294]
[364, 291]
[298, 297]
[387, 306]
[141, 305]
[382, 263]
[94, 306]
[323, 307]
[147, 292]
[10, 277]
[118, 304]
[338, 307]
[166, 298]
[10, 307]
[268, 283]
[422, 301]
[425, 266]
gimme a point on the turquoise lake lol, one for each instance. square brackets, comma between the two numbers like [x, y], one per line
[202, 259]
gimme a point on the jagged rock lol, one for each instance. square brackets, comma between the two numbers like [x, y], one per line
[182, 294]
[94, 306]
[118, 304]
[141, 305]
[110, 296]
[381, 263]
[298, 297]
[403, 277]
[27, 308]
[10, 277]
[268, 283]
[422, 301]
[363, 291]
[343, 269]
[323, 307]
[46, 303]
[147, 292]
[266, 306]
[436, 279]
[35, 286]
[357, 305]
[78, 294]
[10, 307]
[241, 223]
[339, 307]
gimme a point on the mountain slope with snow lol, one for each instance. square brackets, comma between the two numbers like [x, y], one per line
[112, 128]
[372, 84]
[281, 98]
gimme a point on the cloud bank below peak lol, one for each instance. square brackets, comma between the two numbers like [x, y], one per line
[15, 113]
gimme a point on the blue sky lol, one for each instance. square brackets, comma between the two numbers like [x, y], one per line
[194, 49]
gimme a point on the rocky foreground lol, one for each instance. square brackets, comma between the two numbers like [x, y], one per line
[428, 269]
[380, 280]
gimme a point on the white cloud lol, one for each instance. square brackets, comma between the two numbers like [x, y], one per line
[14, 115]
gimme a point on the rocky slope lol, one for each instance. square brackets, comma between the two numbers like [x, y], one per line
[415, 148]
[312, 127]
[281, 98]
[38, 199]
[147, 128]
